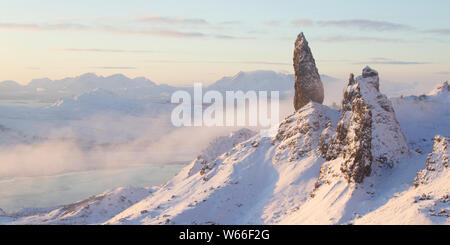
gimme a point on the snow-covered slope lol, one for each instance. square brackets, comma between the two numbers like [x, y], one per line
[254, 182]
[324, 166]
[422, 117]
[94, 210]
[205, 161]
[426, 203]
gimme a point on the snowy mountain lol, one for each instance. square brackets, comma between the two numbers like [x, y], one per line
[81, 103]
[422, 117]
[9, 86]
[101, 100]
[48, 90]
[264, 80]
[94, 210]
[255, 80]
[361, 164]
[140, 88]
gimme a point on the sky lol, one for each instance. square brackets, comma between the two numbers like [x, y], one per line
[181, 42]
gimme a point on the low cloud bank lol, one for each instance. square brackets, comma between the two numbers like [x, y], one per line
[105, 141]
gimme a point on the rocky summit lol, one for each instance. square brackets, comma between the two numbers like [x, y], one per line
[368, 132]
[308, 86]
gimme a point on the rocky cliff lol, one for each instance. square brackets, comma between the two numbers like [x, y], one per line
[368, 135]
[308, 86]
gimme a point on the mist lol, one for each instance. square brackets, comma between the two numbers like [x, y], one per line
[106, 140]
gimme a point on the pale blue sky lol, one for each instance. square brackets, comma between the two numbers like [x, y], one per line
[180, 42]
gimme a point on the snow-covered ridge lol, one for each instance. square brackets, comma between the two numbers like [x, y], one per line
[427, 202]
[241, 182]
[205, 161]
[422, 117]
[441, 90]
[245, 178]
[94, 210]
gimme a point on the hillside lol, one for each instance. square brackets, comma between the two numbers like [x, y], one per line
[292, 178]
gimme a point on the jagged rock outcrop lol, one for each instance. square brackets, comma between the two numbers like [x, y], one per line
[437, 161]
[441, 90]
[308, 86]
[445, 86]
[325, 139]
[368, 135]
[299, 134]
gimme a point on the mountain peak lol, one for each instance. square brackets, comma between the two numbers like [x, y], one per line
[368, 133]
[369, 72]
[88, 75]
[301, 38]
[443, 88]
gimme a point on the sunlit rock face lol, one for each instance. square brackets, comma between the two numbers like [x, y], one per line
[308, 86]
[368, 135]
[437, 162]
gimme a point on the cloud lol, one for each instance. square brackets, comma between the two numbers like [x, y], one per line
[225, 37]
[161, 32]
[46, 27]
[387, 61]
[231, 37]
[99, 50]
[364, 24]
[231, 22]
[164, 26]
[172, 20]
[445, 31]
[113, 67]
[264, 63]
[152, 32]
[103, 143]
[393, 62]
[303, 22]
[339, 38]
[219, 62]
[272, 22]
[18, 26]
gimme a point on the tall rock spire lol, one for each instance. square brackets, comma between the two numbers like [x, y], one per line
[308, 85]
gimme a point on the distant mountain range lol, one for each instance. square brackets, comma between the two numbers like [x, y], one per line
[144, 89]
